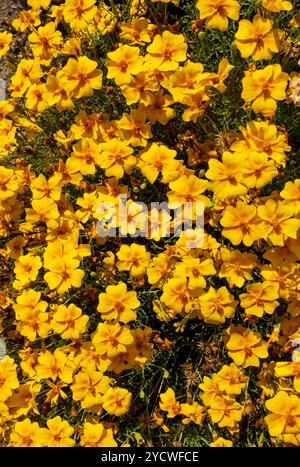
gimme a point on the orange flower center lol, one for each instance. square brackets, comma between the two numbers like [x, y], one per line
[290, 421]
[123, 66]
[119, 307]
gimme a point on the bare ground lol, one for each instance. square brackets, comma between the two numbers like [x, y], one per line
[9, 10]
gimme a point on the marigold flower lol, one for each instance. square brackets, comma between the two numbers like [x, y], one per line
[26, 434]
[193, 413]
[226, 176]
[5, 41]
[246, 348]
[117, 303]
[133, 258]
[237, 267]
[96, 435]
[134, 128]
[8, 378]
[231, 379]
[58, 433]
[264, 87]
[260, 298]
[258, 38]
[225, 411]
[124, 62]
[241, 224]
[116, 401]
[54, 366]
[169, 404]
[166, 51]
[216, 305]
[79, 13]
[69, 321]
[116, 158]
[217, 12]
[45, 41]
[285, 414]
[221, 442]
[277, 5]
[112, 339]
[277, 221]
[291, 195]
[80, 77]
[284, 369]
[89, 387]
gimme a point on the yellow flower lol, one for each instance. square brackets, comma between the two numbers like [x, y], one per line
[26, 434]
[44, 42]
[284, 369]
[57, 94]
[176, 294]
[241, 224]
[80, 77]
[258, 38]
[116, 158]
[79, 13]
[134, 128]
[117, 303]
[54, 366]
[134, 258]
[69, 321]
[258, 170]
[64, 274]
[158, 110]
[58, 433]
[43, 210]
[5, 41]
[217, 12]
[193, 413]
[8, 378]
[187, 189]
[140, 89]
[211, 389]
[225, 411]
[195, 269]
[155, 159]
[85, 156]
[169, 404]
[245, 347]
[226, 176]
[111, 339]
[27, 268]
[216, 305]
[221, 442]
[260, 298]
[237, 267]
[285, 414]
[51, 188]
[264, 87]
[30, 312]
[264, 138]
[277, 221]
[124, 62]
[166, 51]
[136, 31]
[88, 388]
[277, 5]
[291, 195]
[231, 379]
[116, 401]
[96, 435]
[8, 183]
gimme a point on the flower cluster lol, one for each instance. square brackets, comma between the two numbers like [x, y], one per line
[116, 340]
